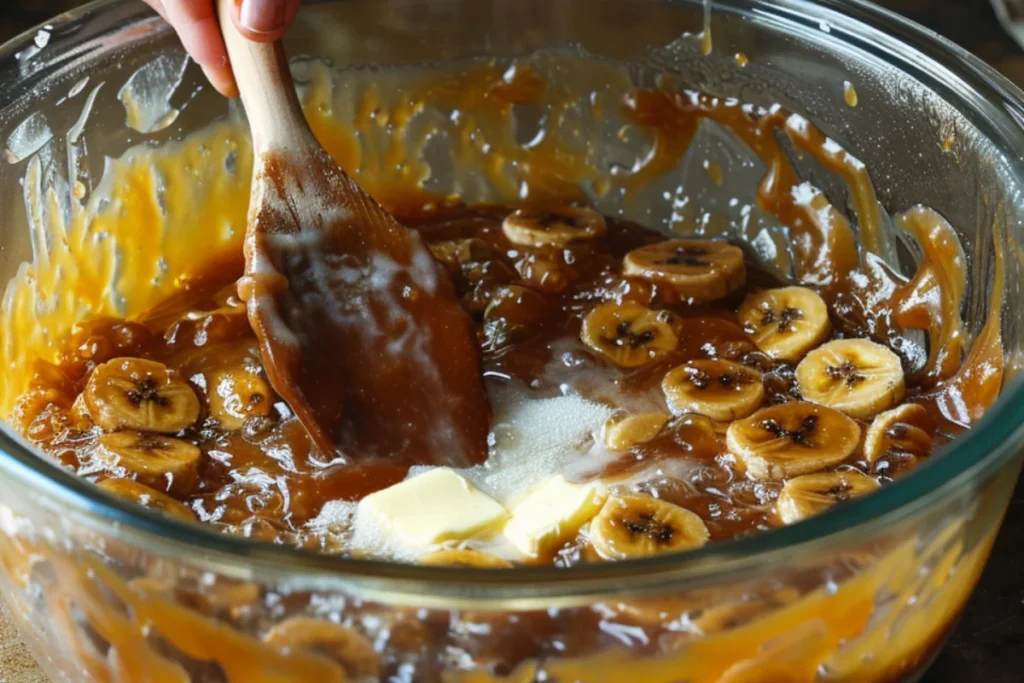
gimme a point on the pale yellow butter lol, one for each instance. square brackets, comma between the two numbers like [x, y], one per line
[552, 514]
[438, 505]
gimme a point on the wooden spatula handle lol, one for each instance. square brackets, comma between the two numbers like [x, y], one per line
[267, 90]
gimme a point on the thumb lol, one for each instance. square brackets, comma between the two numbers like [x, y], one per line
[264, 20]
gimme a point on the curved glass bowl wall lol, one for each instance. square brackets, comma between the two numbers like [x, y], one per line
[105, 591]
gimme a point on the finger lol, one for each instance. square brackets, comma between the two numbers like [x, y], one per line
[222, 79]
[158, 7]
[197, 27]
[264, 20]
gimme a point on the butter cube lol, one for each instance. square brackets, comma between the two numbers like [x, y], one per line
[552, 514]
[435, 506]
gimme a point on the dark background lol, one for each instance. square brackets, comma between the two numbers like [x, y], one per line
[986, 645]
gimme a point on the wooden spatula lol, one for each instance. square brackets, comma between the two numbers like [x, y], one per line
[360, 329]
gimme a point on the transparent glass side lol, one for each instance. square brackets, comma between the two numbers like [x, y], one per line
[101, 603]
[94, 606]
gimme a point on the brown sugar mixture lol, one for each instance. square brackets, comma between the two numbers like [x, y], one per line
[728, 402]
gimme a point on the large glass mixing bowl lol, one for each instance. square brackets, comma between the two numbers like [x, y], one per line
[104, 590]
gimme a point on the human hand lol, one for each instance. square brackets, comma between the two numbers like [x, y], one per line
[196, 24]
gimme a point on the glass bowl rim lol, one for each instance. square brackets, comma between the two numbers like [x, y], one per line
[983, 449]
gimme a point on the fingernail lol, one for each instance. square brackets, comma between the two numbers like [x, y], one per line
[262, 16]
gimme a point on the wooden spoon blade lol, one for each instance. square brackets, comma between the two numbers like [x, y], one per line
[360, 328]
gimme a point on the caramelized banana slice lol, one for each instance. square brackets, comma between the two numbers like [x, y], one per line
[545, 272]
[786, 323]
[344, 645]
[701, 271]
[630, 334]
[812, 494]
[719, 389]
[473, 260]
[513, 315]
[79, 414]
[641, 526]
[157, 461]
[237, 395]
[623, 431]
[553, 224]
[856, 376]
[147, 498]
[132, 393]
[793, 438]
[464, 557]
[453, 253]
[906, 430]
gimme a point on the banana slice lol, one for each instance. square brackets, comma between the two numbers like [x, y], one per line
[630, 334]
[623, 431]
[856, 376]
[553, 224]
[791, 439]
[132, 393]
[812, 494]
[348, 647]
[641, 526]
[453, 253]
[159, 462]
[463, 557]
[545, 272]
[237, 395]
[906, 430]
[514, 314]
[719, 389]
[473, 260]
[148, 498]
[698, 270]
[785, 323]
[79, 414]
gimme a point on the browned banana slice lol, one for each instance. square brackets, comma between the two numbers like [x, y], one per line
[148, 498]
[101, 339]
[237, 395]
[856, 376]
[154, 460]
[132, 393]
[342, 644]
[553, 224]
[514, 314]
[630, 334]
[453, 253]
[464, 557]
[719, 389]
[906, 430]
[79, 414]
[812, 494]
[786, 323]
[473, 260]
[641, 526]
[698, 270]
[791, 439]
[622, 431]
[545, 272]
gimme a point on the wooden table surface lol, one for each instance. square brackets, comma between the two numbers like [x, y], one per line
[986, 644]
